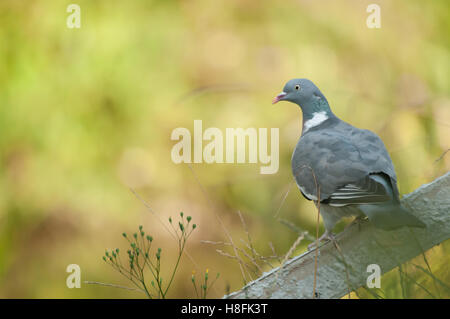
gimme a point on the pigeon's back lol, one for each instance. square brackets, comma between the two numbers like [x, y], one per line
[335, 154]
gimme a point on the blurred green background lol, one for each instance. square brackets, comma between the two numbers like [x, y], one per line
[86, 114]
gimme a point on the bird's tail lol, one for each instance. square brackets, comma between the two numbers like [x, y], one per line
[390, 216]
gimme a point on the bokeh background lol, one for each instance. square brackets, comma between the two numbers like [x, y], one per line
[87, 114]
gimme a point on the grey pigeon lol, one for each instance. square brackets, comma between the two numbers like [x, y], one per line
[346, 168]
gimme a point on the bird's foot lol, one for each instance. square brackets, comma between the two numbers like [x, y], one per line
[358, 221]
[327, 236]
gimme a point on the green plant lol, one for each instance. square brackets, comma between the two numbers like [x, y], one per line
[202, 290]
[142, 261]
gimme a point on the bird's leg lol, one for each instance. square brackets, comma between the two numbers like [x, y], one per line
[327, 236]
[358, 220]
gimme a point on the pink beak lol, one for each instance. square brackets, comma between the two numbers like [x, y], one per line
[279, 97]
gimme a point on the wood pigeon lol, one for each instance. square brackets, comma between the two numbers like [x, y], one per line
[346, 168]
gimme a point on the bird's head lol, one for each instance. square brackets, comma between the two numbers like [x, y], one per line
[302, 92]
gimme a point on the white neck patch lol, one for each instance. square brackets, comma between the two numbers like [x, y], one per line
[318, 118]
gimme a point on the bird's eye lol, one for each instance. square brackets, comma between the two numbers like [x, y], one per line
[297, 87]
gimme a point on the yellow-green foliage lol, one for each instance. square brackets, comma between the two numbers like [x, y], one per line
[86, 114]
